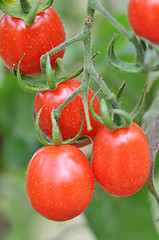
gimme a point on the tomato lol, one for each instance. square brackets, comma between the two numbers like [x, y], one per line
[121, 160]
[143, 17]
[59, 182]
[70, 118]
[16, 38]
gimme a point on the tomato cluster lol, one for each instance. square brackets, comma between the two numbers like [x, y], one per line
[60, 179]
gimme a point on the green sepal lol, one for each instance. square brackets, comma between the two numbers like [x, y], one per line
[31, 14]
[83, 139]
[120, 93]
[45, 6]
[125, 116]
[70, 76]
[56, 134]
[29, 84]
[91, 109]
[58, 69]
[40, 135]
[49, 76]
[139, 104]
[108, 119]
[120, 65]
[25, 10]
[77, 137]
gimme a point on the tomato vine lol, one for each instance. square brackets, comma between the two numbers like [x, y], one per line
[115, 119]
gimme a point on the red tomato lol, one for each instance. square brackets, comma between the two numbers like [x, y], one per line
[16, 38]
[121, 160]
[70, 119]
[143, 17]
[59, 182]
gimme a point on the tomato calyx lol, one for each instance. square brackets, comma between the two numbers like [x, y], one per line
[56, 134]
[117, 118]
[49, 80]
[24, 9]
[140, 66]
[143, 63]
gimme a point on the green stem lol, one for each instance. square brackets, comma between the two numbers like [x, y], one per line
[63, 45]
[85, 103]
[25, 5]
[56, 134]
[89, 70]
[32, 13]
[108, 94]
[50, 77]
[108, 122]
[130, 35]
[69, 99]
[139, 52]
[95, 4]
[87, 61]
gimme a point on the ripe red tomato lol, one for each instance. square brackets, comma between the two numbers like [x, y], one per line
[16, 38]
[121, 160]
[70, 119]
[59, 182]
[143, 17]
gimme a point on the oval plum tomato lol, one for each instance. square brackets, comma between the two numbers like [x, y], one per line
[70, 118]
[143, 17]
[121, 160]
[59, 182]
[17, 39]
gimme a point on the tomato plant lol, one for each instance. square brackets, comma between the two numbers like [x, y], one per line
[59, 182]
[121, 160]
[143, 17]
[17, 39]
[70, 118]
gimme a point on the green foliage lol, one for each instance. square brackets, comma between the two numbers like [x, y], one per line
[121, 218]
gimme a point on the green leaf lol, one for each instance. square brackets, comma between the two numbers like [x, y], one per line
[121, 218]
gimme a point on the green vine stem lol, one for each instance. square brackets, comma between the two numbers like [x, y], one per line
[63, 45]
[32, 13]
[89, 70]
[50, 76]
[72, 96]
[96, 5]
[25, 5]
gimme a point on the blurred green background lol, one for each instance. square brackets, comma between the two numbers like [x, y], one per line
[106, 217]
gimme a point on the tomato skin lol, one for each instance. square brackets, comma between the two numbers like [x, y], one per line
[16, 38]
[59, 182]
[121, 160]
[143, 17]
[70, 118]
